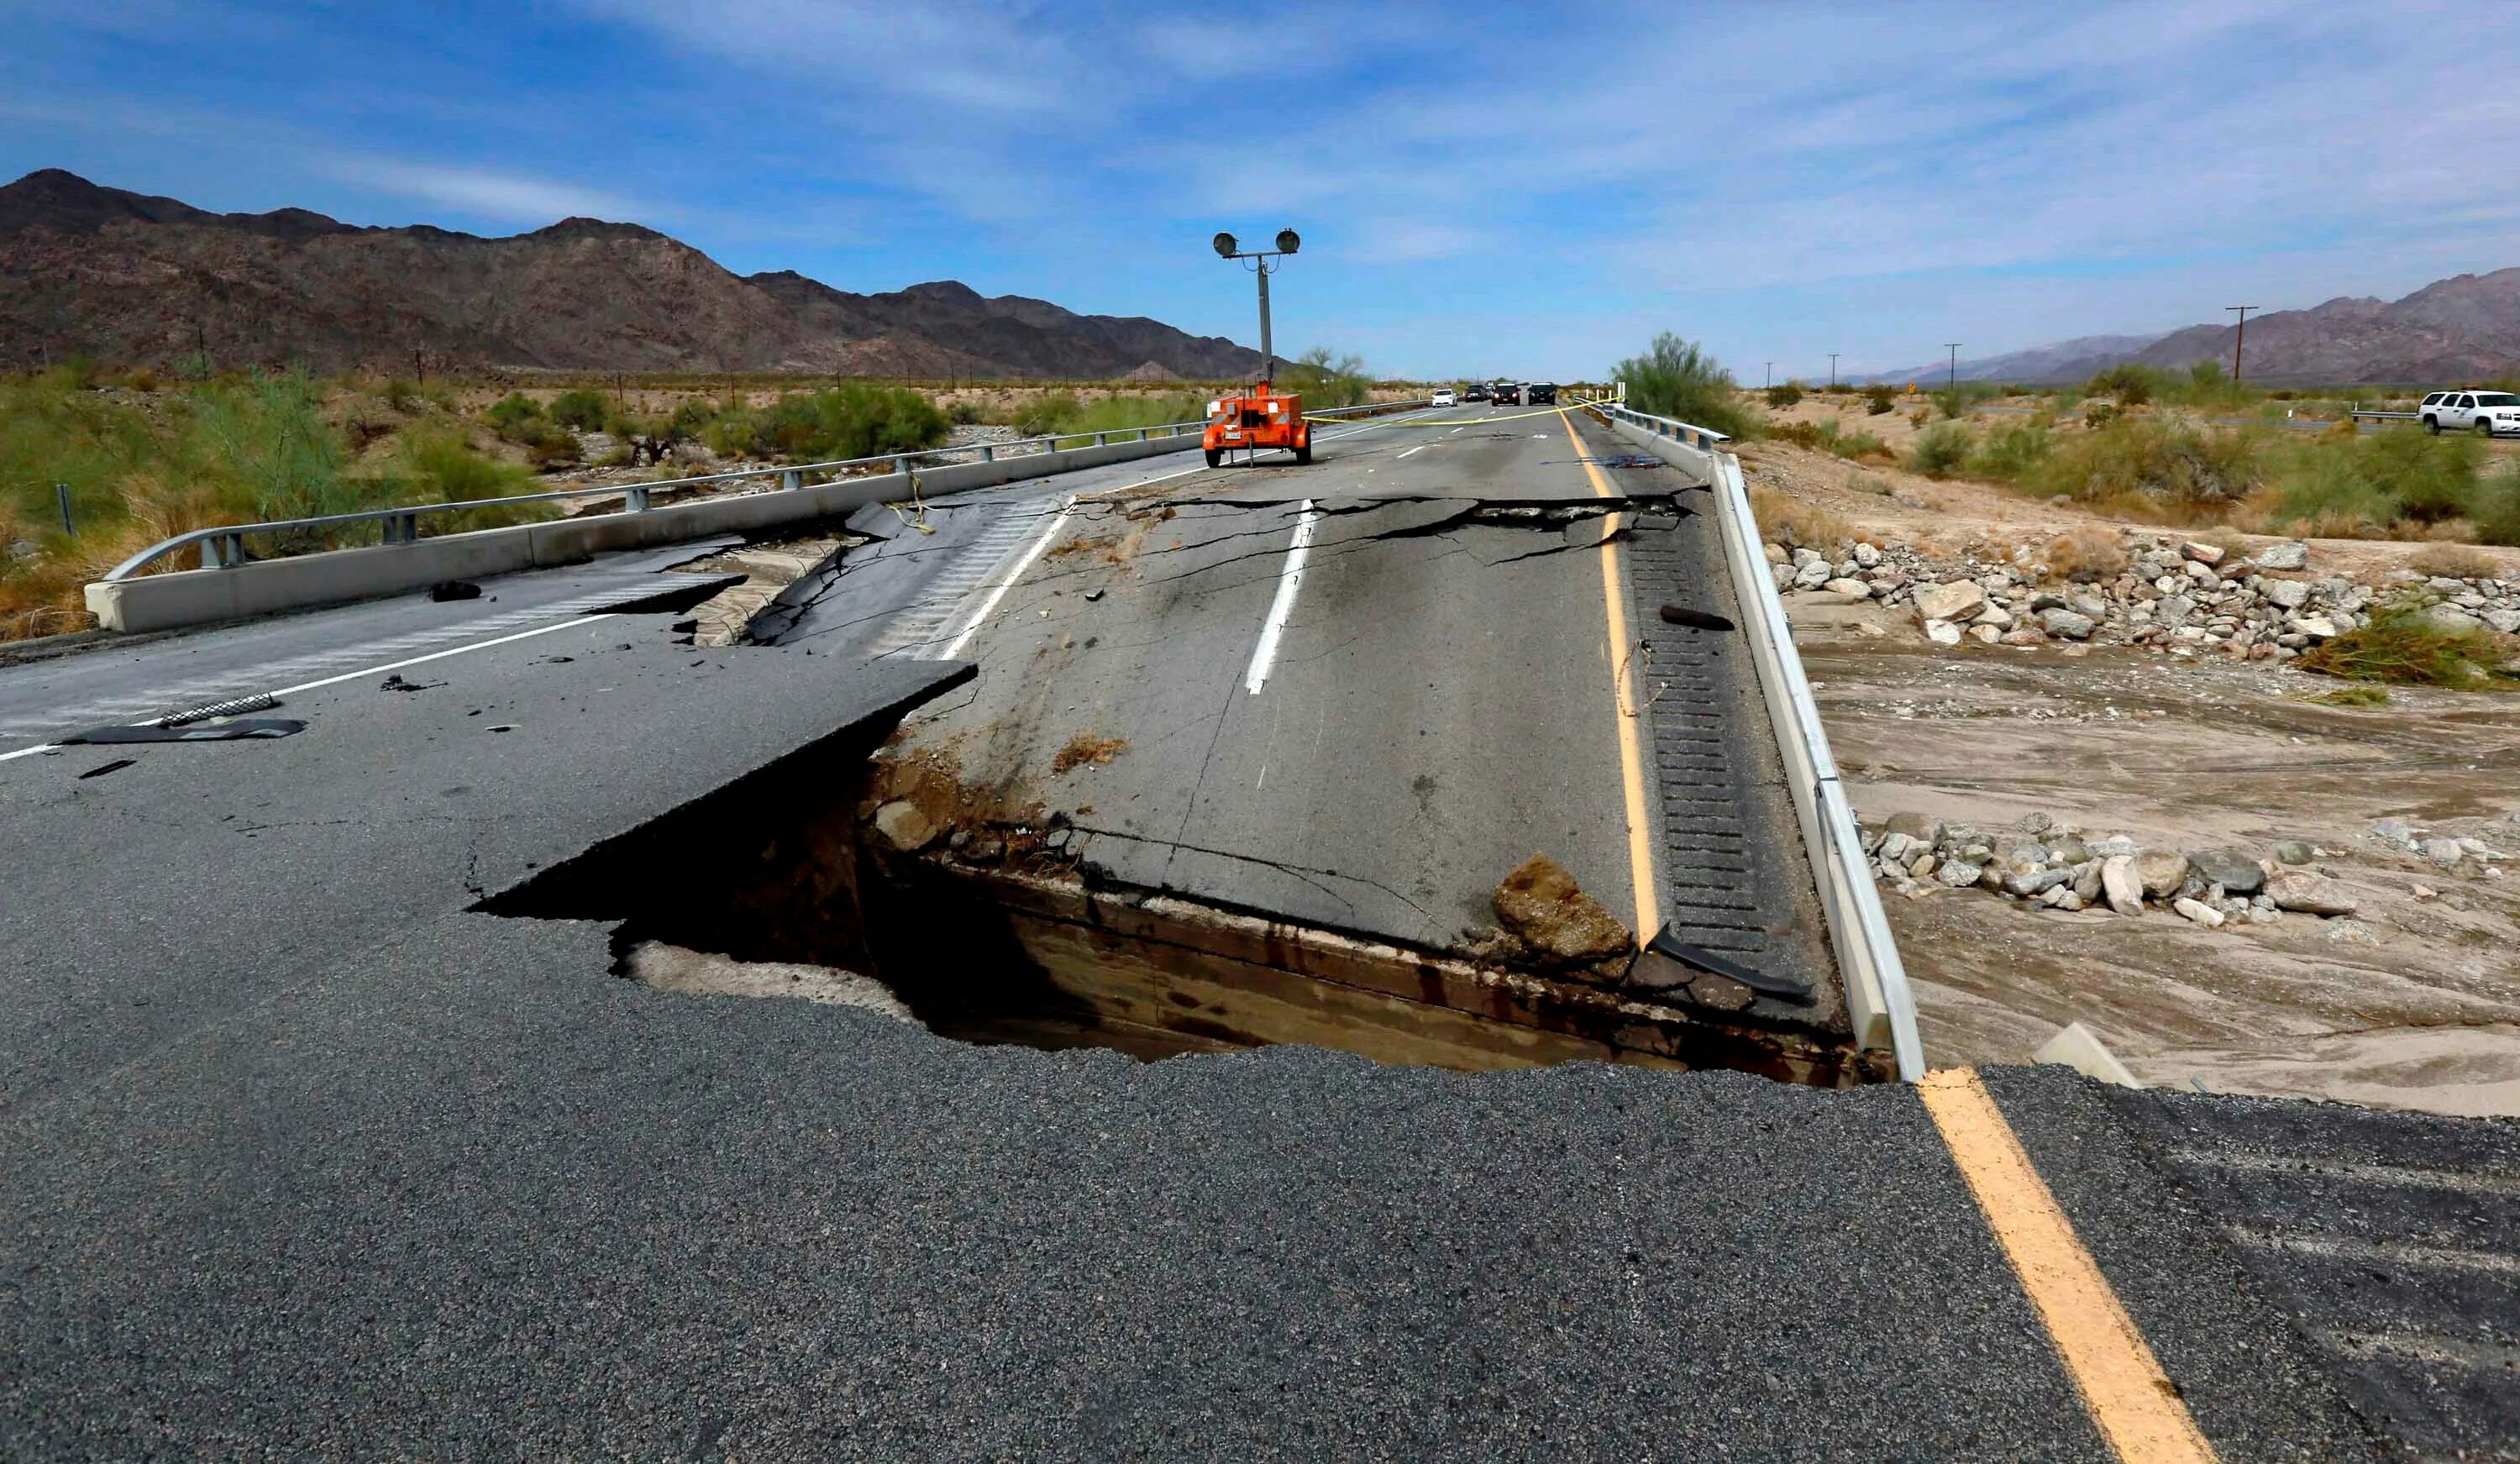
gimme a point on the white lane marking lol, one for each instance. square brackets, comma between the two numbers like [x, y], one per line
[980, 616]
[1420, 448]
[436, 655]
[1291, 574]
[348, 676]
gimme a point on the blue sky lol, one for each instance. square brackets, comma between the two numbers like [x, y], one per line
[1481, 188]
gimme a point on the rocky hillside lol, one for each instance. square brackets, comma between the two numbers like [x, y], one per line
[129, 278]
[2455, 331]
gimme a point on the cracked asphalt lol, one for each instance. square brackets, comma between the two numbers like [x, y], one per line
[307, 1158]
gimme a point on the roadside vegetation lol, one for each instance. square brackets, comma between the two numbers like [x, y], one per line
[2402, 642]
[1678, 379]
[2188, 448]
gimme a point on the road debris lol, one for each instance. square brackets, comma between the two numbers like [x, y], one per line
[1084, 749]
[117, 766]
[396, 682]
[1697, 619]
[1541, 904]
[449, 589]
[213, 731]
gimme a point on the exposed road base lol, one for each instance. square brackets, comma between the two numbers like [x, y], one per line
[1155, 975]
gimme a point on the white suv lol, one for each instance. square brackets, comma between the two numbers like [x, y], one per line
[2488, 412]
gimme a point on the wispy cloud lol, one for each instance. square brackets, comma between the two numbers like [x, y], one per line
[512, 197]
[1782, 180]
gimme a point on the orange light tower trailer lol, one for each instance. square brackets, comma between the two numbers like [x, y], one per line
[1258, 421]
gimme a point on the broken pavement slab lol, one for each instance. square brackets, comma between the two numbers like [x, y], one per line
[1541, 904]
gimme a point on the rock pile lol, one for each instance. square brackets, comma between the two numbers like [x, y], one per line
[2056, 865]
[2173, 594]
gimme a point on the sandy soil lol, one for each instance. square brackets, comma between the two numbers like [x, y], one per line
[2413, 1001]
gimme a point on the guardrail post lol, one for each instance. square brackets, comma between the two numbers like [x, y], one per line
[634, 499]
[792, 480]
[988, 452]
[901, 463]
[1102, 438]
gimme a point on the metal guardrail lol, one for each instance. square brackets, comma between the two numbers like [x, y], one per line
[223, 547]
[1860, 933]
[2388, 415]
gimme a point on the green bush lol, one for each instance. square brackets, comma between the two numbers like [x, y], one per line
[1786, 395]
[1677, 379]
[2012, 448]
[1061, 412]
[2131, 384]
[851, 421]
[1879, 400]
[1941, 449]
[512, 412]
[2170, 462]
[1955, 400]
[2388, 476]
[2401, 642]
[1323, 378]
[581, 410]
[270, 434]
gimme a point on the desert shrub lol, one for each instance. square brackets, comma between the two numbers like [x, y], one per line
[400, 394]
[2362, 696]
[1955, 400]
[512, 412]
[270, 435]
[1678, 379]
[2171, 462]
[2102, 414]
[1799, 433]
[2011, 449]
[2131, 384]
[1879, 399]
[580, 410]
[1856, 444]
[1792, 521]
[1919, 417]
[141, 379]
[1865, 482]
[1786, 394]
[2456, 562]
[442, 467]
[1323, 376]
[1047, 413]
[2088, 553]
[962, 412]
[2402, 642]
[2384, 478]
[1940, 449]
[2204, 384]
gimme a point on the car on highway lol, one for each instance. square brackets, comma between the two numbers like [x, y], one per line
[2492, 413]
[1475, 394]
[1443, 397]
[1508, 396]
[1541, 393]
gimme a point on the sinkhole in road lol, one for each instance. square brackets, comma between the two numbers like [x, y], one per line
[845, 873]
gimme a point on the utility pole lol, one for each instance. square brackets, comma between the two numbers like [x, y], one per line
[1954, 380]
[1772, 373]
[2241, 336]
[1832, 370]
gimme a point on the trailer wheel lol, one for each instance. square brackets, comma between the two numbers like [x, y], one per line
[1214, 456]
[1304, 454]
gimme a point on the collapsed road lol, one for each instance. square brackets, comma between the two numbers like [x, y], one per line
[1347, 701]
[336, 1126]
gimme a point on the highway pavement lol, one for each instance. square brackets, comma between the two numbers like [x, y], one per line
[307, 1154]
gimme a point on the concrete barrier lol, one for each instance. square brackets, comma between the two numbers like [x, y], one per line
[204, 597]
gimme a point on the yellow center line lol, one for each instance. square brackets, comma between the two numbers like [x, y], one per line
[1631, 762]
[2135, 1405]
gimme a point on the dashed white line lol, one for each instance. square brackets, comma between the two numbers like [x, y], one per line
[1289, 575]
[1420, 448]
[329, 681]
[980, 616]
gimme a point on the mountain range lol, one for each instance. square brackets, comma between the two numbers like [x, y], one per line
[2455, 331]
[128, 278]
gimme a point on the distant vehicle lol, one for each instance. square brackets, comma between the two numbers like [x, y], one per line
[1541, 393]
[2488, 412]
[1444, 398]
[1475, 394]
[1508, 396]
[1263, 418]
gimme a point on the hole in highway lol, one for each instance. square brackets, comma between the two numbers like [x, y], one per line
[846, 873]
